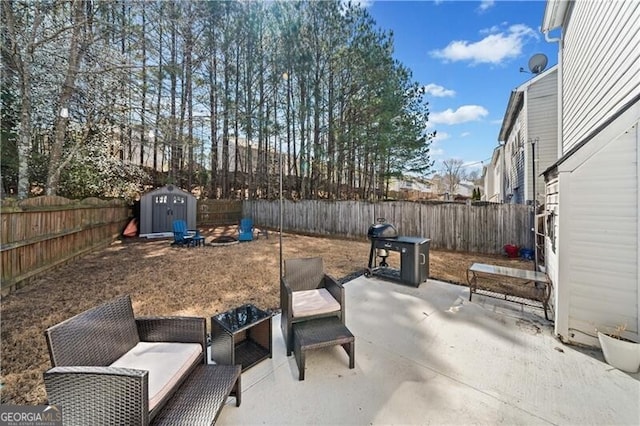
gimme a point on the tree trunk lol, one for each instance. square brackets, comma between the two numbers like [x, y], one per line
[173, 130]
[76, 51]
[143, 111]
[188, 97]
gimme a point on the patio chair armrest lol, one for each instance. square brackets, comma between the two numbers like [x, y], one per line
[173, 329]
[285, 284]
[94, 395]
[286, 298]
[336, 289]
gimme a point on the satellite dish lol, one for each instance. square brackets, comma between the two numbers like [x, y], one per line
[537, 63]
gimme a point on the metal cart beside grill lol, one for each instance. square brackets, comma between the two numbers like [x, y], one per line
[414, 255]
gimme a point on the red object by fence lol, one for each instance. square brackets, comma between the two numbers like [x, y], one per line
[511, 250]
[132, 228]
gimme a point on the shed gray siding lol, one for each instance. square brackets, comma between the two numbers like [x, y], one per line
[160, 207]
[601, 64]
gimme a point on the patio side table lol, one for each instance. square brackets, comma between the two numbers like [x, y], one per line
[197, 240]
[241, 336]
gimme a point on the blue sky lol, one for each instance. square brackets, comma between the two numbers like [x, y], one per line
[468, 54]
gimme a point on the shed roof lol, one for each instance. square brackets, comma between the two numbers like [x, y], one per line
[168, 188]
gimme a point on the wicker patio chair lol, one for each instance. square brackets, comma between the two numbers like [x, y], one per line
[306, 293]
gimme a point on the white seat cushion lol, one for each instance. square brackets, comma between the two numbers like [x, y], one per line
[313, 302]
[165, 362]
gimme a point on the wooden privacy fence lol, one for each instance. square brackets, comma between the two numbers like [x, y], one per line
[219, 212]
[40, 233]
[480, 228]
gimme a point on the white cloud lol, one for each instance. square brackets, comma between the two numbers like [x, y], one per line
[485, 5]
[461, 115]
[465, 134]
[493, 49]
[490, 30]
[438, 91]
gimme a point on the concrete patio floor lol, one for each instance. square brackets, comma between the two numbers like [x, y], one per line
[429, 356]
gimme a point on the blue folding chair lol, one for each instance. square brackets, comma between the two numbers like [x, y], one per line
[245, 230]
[181, 235]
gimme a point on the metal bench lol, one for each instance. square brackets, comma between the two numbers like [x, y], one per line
[524, 284]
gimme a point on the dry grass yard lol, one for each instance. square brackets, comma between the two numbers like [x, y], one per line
[165, 280]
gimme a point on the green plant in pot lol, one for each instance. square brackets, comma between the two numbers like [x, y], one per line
[619, 351]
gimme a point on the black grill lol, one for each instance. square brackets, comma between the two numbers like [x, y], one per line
[382, 230]
[414, 255]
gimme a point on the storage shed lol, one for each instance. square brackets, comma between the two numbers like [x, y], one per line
[160, 207]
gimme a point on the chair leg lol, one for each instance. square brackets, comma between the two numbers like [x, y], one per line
[289, 339]
[289, 343]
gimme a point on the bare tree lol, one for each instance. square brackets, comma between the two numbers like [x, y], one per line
[18, 49]
[453, 174]
[131, 74]
[77, 48]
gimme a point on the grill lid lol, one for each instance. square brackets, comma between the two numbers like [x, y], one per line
[382, 230]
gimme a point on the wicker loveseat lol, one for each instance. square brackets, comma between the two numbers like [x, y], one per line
[111, 368]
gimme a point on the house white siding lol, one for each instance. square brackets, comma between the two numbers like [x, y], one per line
[530, 130]
[497, 195]
[493, 177]
[601, 64]
[551, 229]
[542, 118]
[600, 258]
[487, 182]
[514, 162]
[551, 235]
